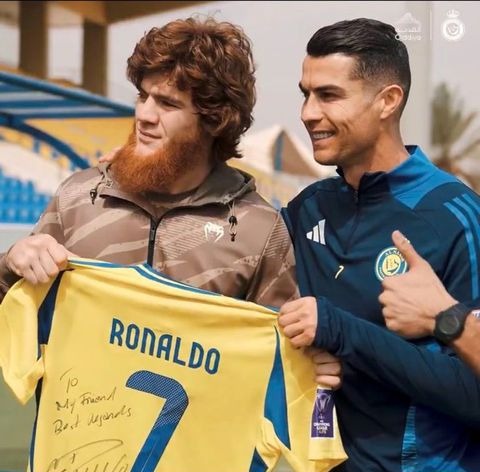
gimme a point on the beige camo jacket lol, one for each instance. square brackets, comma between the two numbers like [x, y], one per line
[188, 240]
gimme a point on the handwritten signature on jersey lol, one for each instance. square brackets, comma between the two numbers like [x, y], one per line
[97, 455]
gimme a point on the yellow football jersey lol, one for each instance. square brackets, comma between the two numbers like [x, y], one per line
[137, 372]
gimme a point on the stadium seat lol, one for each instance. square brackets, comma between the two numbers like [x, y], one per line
[20, 202]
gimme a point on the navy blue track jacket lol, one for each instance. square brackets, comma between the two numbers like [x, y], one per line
[404, 406]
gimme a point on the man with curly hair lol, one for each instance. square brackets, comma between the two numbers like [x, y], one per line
[169, 198]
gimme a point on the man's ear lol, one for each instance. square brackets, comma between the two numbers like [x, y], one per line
[392, 98]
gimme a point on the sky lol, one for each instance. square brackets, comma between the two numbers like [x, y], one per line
[279, 32]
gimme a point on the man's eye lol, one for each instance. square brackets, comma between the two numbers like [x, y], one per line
[328, 96]
[167, 103]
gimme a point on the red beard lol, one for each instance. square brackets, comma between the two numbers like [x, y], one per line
[157, 171]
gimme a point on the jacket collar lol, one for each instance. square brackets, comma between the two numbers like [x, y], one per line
[407, 175]
[222, 186]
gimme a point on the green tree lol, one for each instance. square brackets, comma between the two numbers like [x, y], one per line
[450, 123]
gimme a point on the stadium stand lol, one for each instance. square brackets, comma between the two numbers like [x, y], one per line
[27, 183]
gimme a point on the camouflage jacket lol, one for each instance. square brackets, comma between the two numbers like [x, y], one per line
[194, 240]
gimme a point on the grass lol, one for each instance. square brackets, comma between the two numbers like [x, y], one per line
[13, 460]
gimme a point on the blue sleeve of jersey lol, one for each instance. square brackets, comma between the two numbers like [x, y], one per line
[435, 379]
[461, 275]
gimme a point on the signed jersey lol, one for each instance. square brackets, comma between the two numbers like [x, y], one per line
[137, 372]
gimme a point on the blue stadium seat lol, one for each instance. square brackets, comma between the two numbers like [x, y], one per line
[23, 214]
[27, 187]
[19, 200]
[9, 214]
[13, 195]
[10, 183]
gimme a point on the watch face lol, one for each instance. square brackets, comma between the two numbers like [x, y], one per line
[449, 324]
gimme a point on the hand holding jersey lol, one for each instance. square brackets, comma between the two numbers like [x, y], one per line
[37, 258]
[298, 319]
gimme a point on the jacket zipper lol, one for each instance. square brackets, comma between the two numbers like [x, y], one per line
[151, 240]
[355, 222]
[155, 224]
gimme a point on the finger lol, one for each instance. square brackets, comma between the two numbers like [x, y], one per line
[39, 272]
[288, 319]
[293, 330]
[302, 340]
[290, 307]
[110, 156]
[324, 357]
[58, 253]
[328, 369]
[388, 314]
[330, 381]
[48, 264]
[312, 351]
[405, 247]
[29, 276]
[386, 297]
[393, 326]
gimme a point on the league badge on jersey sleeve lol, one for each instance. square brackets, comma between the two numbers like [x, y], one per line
[390, 262]
[322, 417]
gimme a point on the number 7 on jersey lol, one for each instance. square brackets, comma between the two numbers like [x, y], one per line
[176, 402]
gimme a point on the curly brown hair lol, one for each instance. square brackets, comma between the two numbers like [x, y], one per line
[214, 61]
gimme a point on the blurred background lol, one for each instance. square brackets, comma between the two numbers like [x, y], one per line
[65, 100]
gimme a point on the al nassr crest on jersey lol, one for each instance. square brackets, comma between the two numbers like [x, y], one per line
[390, 262]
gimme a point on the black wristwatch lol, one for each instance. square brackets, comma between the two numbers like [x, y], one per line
[449, 324]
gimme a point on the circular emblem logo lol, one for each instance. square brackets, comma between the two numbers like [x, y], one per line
[390, 262]
[452, 28]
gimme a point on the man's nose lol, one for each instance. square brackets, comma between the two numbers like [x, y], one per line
[146, 111]
[311, 110]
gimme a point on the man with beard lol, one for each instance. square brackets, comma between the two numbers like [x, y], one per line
[169, 199]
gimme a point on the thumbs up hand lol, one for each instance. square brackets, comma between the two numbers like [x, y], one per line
[412, 300]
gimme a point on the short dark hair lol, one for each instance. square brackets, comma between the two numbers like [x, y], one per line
[214, 61]
[379, 53]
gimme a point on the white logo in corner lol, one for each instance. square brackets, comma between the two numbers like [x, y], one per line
[452, 28]
[408, 28]
[213, 232]
[318, 233]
